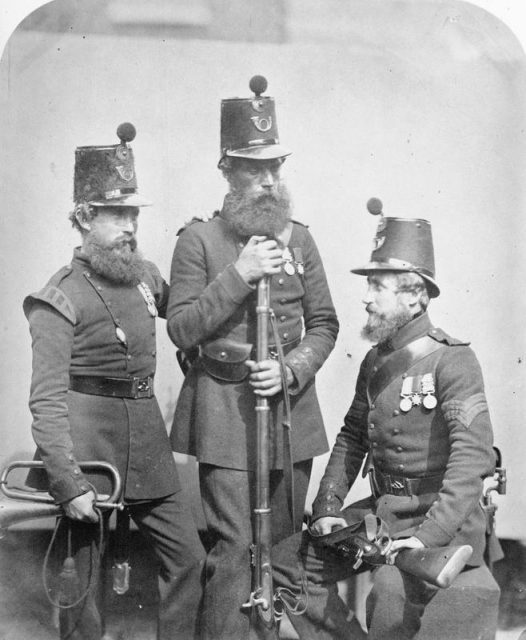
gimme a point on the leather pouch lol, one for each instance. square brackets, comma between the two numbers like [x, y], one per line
[225, 359]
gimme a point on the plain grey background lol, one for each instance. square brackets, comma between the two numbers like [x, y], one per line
[418, 102]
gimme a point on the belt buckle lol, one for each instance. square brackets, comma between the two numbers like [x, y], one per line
[142, 388]
[397, 487]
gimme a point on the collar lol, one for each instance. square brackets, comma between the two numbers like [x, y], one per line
[415, 328]
[80, 258]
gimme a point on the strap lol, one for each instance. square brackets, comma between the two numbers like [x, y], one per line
[399, 362]
[288, 465]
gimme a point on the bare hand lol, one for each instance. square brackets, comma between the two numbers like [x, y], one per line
[327, 524]
[81, 508]
[397, 545]
[260, 257]
[265, 377]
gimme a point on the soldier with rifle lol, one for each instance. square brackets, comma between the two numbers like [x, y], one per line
[419, 419]
[226, 273]
[93, 329]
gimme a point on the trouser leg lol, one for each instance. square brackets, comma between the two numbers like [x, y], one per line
[227, 496]
[84, 621]
[396, 604]
[299, 565]
[169, 525]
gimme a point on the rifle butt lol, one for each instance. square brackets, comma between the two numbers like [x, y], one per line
[439, 566]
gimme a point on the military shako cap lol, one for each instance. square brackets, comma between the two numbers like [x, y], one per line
[248, 126]
[402, 244]
[105, 175]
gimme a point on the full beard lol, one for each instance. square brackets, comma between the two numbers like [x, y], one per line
[263, 215]
[381, 328]
[120, 262]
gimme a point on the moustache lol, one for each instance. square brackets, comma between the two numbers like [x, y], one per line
[123, 243]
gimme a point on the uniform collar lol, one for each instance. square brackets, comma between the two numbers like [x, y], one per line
[415, 328]
[80, 258]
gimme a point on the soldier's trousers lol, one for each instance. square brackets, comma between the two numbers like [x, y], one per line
[395, 604]
[228, 499]
[168, 525]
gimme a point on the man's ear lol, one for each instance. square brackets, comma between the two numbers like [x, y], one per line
[83, 220]
[414, 299]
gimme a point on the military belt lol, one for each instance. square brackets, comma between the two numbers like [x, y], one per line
[134, 388]
[383, 483]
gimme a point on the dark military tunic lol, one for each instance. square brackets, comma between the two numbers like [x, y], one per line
[215, 420]
[449, 446]
[75, 324]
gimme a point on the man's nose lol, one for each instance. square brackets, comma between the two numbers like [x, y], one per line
[129, 225]
[368, 297]
[267, 179]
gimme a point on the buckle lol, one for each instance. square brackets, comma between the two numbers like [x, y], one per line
[142, 387]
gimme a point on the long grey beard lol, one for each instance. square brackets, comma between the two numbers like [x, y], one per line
[264, 215]
[120, 262]
[380, 328]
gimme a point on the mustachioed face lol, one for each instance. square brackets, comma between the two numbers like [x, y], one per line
[255, 177]
[111, 244]
[115, 227]
[388, 306]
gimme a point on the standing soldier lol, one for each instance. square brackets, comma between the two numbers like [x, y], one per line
[215, 269]
[420, 419]
[92, 397]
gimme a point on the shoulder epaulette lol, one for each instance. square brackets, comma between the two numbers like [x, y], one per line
[53, 296]
[441, 336]
[194, 220]
[301, 224]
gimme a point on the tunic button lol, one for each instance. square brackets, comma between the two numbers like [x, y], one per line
[129, 357]
[374, 445]
[283, 300]
[373, 406]
[241, 244]
[109, 303]
[400, 467]
[285, 336]
[282, 318]
[371, 426]
[280, 282]
[222, 355]
[404, 375]
[399, 448]
[154, 353]
[396, 412]
[99, 287]
[396, 432]
[375, 369]
[76, 471]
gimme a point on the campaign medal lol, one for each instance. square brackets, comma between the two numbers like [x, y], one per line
[288, 267]
[148, 298]
[428, 391]
[298, 259]
[406, 394]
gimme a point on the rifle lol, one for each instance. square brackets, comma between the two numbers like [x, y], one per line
[28, 504]
[366, 540]
[262, 596]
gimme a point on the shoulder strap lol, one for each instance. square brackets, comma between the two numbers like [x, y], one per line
[399, 362]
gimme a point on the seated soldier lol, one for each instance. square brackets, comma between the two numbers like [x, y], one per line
[420, 416]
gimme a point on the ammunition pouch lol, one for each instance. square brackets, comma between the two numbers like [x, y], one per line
[362, 541]
[225, 359]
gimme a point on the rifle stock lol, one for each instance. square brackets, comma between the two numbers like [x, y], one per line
[439, 566]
